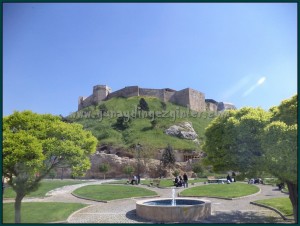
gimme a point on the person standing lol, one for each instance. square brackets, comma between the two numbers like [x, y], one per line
[228, 179]
[138, 179]
[185, 179]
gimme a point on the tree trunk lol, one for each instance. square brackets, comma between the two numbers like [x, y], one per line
[18, 202]
[293, 191]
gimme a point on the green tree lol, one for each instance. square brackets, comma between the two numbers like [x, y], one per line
[233, 141]
[279, 142]
[168, 157]
[122, 123]
[143, 105]
[286, 111]
[251, 141]
[198, 168]
[104, 168]
[128, 170]
[35, 144]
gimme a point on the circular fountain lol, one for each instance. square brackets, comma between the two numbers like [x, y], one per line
[173, 210]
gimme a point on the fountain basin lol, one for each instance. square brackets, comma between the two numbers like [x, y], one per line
[161, 210]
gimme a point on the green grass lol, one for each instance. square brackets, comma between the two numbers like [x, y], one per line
[232, 190]
[140, 130]
[40, 212]
[46, 185]
[112, 192]
[284, 205]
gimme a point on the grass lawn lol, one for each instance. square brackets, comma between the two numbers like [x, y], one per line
[112, 192]
[40, 212]
[46, 185]
[232, 190]
[284, 205]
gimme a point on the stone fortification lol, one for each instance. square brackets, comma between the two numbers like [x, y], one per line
[188, 97]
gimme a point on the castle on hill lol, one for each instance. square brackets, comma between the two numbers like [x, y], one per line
[188, 97]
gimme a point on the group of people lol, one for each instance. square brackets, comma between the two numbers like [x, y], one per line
[255, 181]
[181, 181]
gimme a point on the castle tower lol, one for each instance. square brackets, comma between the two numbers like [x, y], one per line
[100, 92]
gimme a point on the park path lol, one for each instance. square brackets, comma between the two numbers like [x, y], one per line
[123, 211]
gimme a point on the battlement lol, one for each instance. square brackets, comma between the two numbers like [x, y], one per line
[188, 97]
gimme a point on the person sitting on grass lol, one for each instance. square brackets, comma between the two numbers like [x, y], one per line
[176, 181]
[134, 180]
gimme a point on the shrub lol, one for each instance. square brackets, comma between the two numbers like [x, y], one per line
[176, 173]
[143, 105]
[122, 123]
[102, 108]
[198, 169]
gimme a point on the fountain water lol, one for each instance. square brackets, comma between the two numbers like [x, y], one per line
[173, 197]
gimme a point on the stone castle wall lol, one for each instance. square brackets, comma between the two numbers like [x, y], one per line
[196, 100]
[181, 98]
[158, 93]
[168, 95]
[190, 98]
[211, 107]
[128, 91]
[84, 102]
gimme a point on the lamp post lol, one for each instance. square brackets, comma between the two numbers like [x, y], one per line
[138, 149]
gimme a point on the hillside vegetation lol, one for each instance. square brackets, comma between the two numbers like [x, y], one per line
[101, 120]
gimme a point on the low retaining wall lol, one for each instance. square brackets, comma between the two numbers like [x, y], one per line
[173, 214]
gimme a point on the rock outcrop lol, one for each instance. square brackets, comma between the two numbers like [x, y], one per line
[183, 130]
[149, 168]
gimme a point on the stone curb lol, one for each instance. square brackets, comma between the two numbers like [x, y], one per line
[77, 196]
[271, 208]
[77, 212]
[225, 198]
[58, 222]
[103, 201]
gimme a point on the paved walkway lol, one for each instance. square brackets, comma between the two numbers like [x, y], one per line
[123, 211]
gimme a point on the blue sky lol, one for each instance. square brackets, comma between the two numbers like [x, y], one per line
[244, 53]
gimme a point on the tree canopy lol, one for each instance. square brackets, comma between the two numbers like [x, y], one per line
[279, 140]
[233, 140]
[251, 141]
[34, 144]
[104, 168]
[168, 156]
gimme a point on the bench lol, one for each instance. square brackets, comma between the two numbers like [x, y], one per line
[213, 180]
